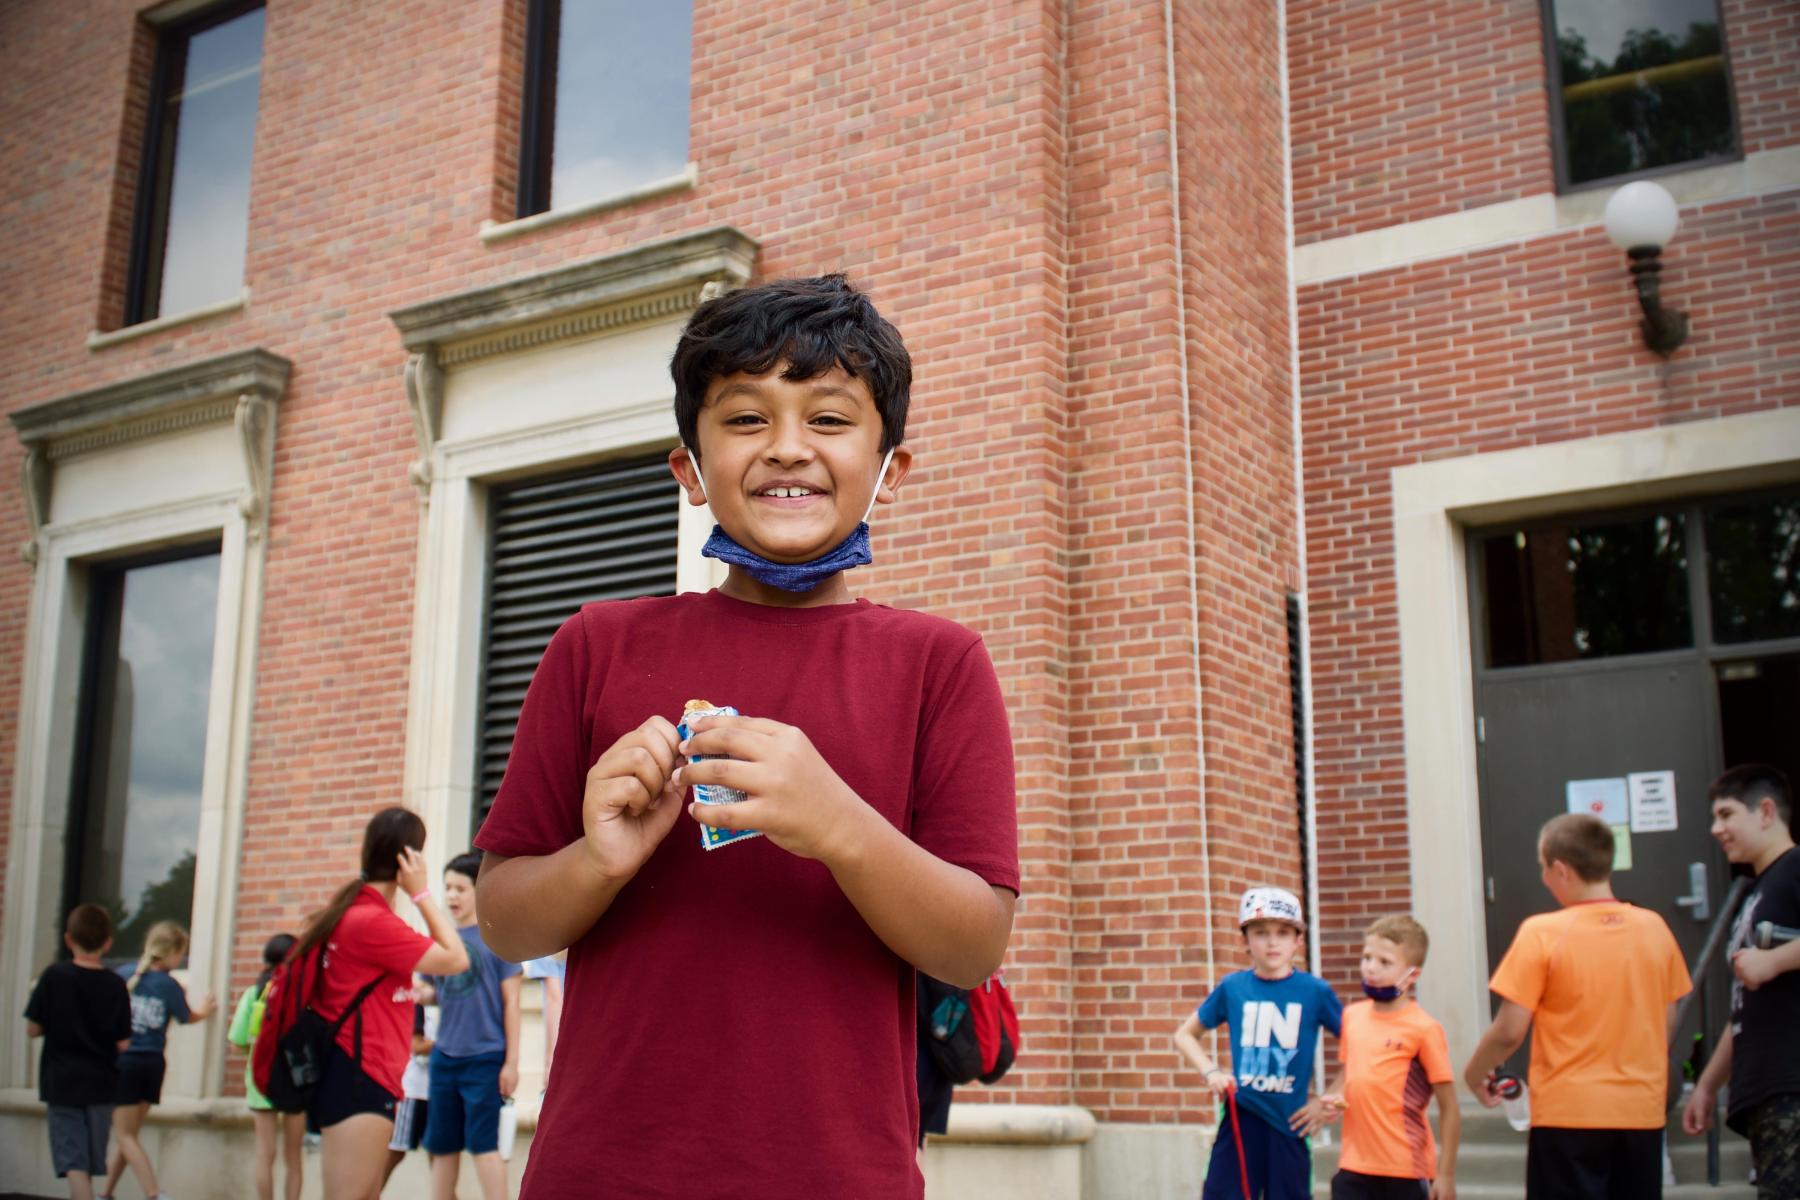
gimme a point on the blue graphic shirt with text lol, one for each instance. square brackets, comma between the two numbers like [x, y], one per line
[1274, 1033]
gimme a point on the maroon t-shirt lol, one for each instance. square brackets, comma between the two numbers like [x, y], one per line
[731, 1026]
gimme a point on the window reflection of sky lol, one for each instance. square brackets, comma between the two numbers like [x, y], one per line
[621, 97]
[209, 189]
[1603, 24]
[165, 674]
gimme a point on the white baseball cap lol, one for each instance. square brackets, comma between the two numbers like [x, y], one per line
[1270, 904]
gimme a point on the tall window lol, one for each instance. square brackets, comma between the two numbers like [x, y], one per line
[603, 533]
[134, 812]
[193, 212]
[606, 99]
[1637, 86]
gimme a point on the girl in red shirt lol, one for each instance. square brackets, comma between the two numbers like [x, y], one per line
[366, 946]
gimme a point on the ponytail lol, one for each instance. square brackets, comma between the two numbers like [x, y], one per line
[320, 924]
[166, 942]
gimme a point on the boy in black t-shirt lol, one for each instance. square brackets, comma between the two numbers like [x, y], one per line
[83, 1013]
[1753, 812]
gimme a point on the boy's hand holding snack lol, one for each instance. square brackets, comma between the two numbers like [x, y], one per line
[791, 793]
[630, 802]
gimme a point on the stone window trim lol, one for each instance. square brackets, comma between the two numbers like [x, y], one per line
[242, 388]
[585, 299]
[161, 459]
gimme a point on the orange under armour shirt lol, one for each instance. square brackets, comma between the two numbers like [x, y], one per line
[1391, 1058]
[1598, 978]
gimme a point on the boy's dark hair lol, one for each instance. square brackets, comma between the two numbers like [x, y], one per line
[88, 926]
[1405, 933]
[1583, 841]
[810, 324]
[1750, 785]
[467, 863]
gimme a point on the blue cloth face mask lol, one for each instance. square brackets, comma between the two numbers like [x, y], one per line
[853, 551]
[1392, 991]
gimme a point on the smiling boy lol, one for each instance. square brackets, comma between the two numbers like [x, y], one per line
[1275, 1013]
[1753, 812]
[739, 1021]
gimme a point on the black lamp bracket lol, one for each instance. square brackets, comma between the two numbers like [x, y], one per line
[1665, 329]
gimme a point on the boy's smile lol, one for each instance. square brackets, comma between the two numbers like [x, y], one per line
[789, 465]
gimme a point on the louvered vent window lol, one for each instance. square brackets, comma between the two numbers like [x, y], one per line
[606, 533]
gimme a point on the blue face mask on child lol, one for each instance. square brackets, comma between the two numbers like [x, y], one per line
[1392, 991]
[853, 551]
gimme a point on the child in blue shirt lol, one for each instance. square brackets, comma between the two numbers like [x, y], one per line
[475, 1058]
[1274, 1012]
[157, 1002]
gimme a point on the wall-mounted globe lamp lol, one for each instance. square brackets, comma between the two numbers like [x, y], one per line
[1641, 218]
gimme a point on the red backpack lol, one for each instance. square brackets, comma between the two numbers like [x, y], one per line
[972, 1033]
[291, 1046]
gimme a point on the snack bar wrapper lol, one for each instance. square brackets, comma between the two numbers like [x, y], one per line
[712, 793]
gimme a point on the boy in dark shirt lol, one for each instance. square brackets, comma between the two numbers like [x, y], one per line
[83, 1013]
[1753, 812]
[739, 1020]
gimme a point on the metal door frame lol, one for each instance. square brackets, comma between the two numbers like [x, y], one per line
[1704, 651]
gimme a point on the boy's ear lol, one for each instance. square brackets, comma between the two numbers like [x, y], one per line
[898, 468]
[687, 473]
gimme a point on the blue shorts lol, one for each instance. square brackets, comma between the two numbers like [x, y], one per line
[464, 1113]
[1280, 1164]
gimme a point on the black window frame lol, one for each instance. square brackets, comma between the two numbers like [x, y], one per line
[537, 132]
[104, 599]
[156, 165]
[1559, 138]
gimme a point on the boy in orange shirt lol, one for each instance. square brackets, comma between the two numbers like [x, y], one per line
[1597, 983]
[1396, 1059]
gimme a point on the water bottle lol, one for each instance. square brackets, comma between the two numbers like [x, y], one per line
[509, 1127]
[1513, 1098]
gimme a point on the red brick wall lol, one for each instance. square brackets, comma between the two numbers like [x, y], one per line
[1516, 346]
[1403, 110]
[1761, 39]
[1179, 733]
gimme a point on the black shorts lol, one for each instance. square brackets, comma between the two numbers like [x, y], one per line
[346, 1090]
[1593, 1164]
[140, 1079]
[1354, 1185]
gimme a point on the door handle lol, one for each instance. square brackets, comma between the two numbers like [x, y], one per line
[1696, 900]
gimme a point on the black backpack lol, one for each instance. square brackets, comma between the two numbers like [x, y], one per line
[970, 1034]
[289, 1057]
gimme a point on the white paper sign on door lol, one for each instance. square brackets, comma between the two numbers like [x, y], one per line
[1603, 798]
[1652, 801]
